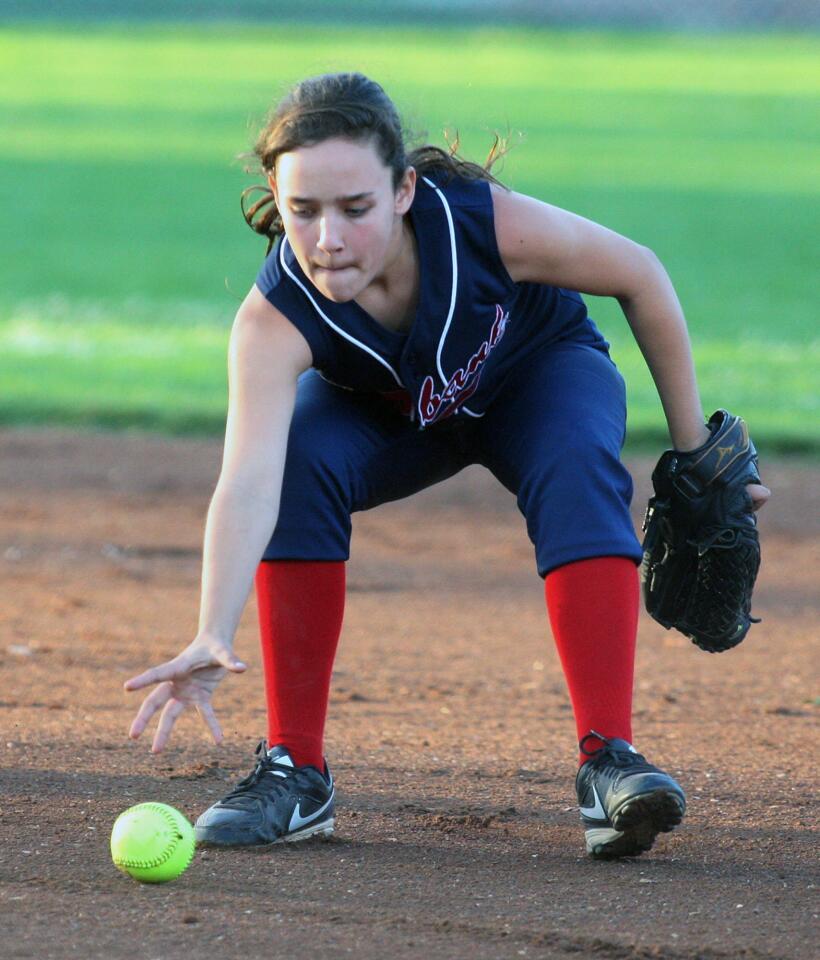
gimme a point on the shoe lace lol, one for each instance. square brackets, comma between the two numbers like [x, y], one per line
[610, 755]
[267, 777]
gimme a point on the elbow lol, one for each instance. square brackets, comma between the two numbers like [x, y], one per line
[651, 258]
[645, 274]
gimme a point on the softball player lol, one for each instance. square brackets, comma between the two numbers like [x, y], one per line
[413, 316]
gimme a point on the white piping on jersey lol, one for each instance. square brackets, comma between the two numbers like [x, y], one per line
[454, 256]
[327, 319]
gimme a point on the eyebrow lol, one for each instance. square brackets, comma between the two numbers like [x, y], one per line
[352, 197]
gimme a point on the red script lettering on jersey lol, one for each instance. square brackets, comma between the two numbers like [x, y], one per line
[464, 382]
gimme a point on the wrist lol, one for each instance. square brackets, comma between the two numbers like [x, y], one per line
[213, 638]
[684, 441]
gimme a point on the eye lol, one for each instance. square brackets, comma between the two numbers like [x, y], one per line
[302, 212]
[357, 211]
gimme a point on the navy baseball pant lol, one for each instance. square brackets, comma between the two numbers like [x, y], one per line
[552, 436]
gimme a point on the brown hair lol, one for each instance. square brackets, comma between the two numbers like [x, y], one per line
[352, 106]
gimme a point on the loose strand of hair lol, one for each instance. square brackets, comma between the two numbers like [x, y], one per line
[267, 224]
[431, 159]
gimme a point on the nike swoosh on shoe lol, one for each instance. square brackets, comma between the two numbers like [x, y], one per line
[297, 820]
[596, 811]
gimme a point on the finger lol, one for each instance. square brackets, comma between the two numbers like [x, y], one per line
[166, 723]
[206, 711]
[180, 666]
[156, 699]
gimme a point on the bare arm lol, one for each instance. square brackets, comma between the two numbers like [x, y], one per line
[544, 244]
[541, 243]
[266, 355]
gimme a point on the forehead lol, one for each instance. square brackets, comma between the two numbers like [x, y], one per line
[332, 167]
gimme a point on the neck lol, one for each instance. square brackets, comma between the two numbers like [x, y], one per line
[392, 296]
[401, 262]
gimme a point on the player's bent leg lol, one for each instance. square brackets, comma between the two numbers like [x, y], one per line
[346, 452]
[556, 440]
[624, 801]
[277, 802]
[561, 432]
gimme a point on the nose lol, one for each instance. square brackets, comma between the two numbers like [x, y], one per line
[330, 235]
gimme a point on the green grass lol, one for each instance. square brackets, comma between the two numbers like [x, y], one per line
[123, 254]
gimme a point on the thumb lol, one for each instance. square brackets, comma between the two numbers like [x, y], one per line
[759, 494]
[226, 659]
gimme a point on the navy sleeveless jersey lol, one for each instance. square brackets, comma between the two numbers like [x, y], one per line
[473, 324]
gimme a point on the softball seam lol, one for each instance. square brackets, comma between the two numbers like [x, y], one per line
[166, 853]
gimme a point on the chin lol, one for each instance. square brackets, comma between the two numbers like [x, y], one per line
[336, 296]
[339, 293]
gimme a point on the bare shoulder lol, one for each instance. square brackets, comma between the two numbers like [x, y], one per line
[532, 234]
[508, 205]
[526, 227]
[542, 243]
[265, 357]
[262, 334]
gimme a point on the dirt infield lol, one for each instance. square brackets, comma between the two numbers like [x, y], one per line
[449, 734]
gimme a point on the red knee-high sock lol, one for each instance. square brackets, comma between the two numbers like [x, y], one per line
[593, 610]
[301, 605]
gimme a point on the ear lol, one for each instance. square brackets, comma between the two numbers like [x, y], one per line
[405, 192]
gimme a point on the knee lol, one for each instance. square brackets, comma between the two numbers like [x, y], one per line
[579, 455]
[581, 471]
[585, 451]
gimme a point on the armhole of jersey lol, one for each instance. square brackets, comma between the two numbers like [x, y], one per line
[286, 301]
[311, 335]
[492, 239]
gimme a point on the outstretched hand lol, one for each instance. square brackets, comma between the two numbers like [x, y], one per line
[187, 680]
